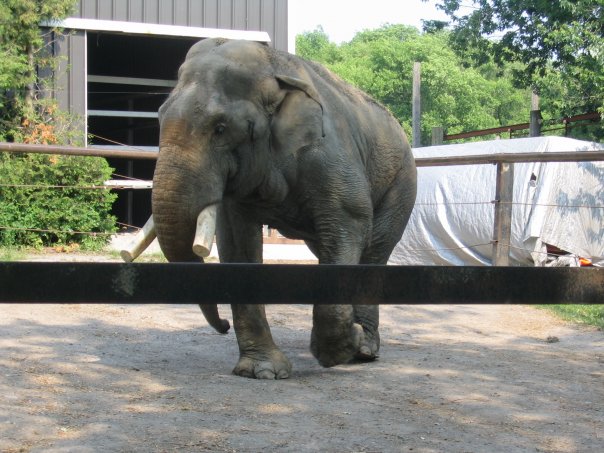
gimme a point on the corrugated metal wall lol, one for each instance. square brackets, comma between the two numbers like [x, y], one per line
[70, 82]
[258, 15]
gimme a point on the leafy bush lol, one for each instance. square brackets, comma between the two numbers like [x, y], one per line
[42, 198]
[53, 195]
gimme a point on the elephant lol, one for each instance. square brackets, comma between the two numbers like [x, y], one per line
[268, 138]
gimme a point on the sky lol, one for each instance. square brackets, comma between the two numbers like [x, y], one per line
[342, 19]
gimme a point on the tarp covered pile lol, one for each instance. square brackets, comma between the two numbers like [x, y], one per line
[556, 205]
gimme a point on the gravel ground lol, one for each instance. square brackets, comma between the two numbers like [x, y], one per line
[156, 378]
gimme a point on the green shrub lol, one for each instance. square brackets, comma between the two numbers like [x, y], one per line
[53, 194]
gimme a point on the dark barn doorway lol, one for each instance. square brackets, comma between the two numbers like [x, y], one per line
[128, 78]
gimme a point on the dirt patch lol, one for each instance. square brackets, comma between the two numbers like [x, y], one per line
[119, 378]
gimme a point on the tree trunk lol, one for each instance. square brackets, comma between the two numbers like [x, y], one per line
[29, 89]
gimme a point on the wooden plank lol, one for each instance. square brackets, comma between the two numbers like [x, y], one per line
[131, 81]
[490, 131]
[437, 135]
[567, 156]
[190, 283]
[504, 195]
[78, 151]
[416, 105]
[535, 123]
[122, 114]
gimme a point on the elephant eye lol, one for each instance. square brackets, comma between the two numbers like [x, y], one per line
[219, 129]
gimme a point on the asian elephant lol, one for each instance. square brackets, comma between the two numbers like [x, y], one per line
[272, 139]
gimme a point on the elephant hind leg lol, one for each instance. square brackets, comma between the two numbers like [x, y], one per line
[389, 221]
[390, 218]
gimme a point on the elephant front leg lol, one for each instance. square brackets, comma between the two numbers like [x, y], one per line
[239, 240]
[259, 357]
[335, 337]
[345, 333]
[368, 317]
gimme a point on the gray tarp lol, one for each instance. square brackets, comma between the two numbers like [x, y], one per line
[560, 204]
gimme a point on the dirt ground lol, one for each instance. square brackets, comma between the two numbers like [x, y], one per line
[156, 378]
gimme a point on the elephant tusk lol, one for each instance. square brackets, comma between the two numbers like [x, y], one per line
[204, 232]
[140, 242]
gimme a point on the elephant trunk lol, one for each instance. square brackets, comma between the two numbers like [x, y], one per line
[210, 312]
[174, 225]
[178, 197]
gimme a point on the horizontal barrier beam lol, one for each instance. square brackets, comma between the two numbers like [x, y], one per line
[510, 158]
[78, 151]
[125, 153]
[27, 282]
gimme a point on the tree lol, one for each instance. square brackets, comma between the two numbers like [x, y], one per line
[21, 52]
[44, 200]
[315, 45]
[565, 38]
[461, 98]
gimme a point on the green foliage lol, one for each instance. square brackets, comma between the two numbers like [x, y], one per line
[582, 314]
[11, 254]
[454, 95]
[22, 53]
[62, 210]
[45, 125]
[560, 41]
[315, 45]
[21, 42]
[41, 192]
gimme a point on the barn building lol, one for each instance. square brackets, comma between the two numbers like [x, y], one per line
[120, 61]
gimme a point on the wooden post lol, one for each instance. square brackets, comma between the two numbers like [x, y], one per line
[535, 119]
[504, 194]
[438, 135]
[416, 106]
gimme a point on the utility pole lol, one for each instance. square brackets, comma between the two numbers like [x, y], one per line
[416, 106]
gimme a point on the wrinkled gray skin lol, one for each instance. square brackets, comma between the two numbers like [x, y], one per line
[277, 140]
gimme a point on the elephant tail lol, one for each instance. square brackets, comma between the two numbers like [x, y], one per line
[210, 311]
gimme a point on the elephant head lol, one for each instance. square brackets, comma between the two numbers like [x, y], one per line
[218, 131]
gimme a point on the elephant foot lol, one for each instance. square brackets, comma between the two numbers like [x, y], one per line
[273, 365]
[368, 347]
[331, 351]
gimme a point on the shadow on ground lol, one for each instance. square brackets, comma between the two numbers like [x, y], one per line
[156, 378]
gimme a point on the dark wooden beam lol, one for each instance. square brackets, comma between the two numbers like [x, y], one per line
[27, 282]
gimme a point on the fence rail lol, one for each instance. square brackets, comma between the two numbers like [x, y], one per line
[504, 180]
[125, 153]
[325, 284]
[511, 158]
[180, 283]
[77, 151]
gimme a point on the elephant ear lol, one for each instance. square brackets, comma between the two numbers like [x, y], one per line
[299, 84]
[298, 118]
